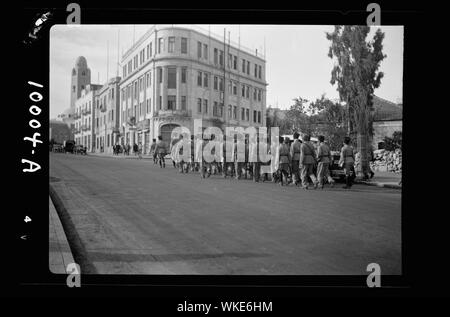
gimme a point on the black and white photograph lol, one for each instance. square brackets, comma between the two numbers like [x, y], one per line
[225, 149]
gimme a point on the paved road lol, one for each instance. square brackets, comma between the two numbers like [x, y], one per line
[135, 218]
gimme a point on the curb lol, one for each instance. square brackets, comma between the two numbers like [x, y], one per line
[76, 246]
[383, 185]
[60, 254]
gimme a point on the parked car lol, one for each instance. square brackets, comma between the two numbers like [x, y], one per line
[69, 146]
[79, 149]
[58, 148]
[336, 171]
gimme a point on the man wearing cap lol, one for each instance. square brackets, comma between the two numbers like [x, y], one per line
[347, 161]
[307, 162]
[295, 155]
[285, 160]
[324, 160]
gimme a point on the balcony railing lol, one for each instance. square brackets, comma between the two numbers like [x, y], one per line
[85, 112]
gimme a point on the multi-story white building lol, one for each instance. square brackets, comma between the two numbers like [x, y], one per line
[106, 122]
[174, 75]
[84, 117]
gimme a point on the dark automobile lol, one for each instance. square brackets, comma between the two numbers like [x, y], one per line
[69, 146]
[79, 149]
[336, 171]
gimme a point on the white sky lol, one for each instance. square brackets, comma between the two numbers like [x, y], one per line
[297, 64]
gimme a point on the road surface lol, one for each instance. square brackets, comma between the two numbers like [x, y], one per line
[133, 217]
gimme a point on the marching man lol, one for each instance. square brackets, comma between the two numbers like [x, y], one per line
[324, 160]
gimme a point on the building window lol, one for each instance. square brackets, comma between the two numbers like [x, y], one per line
[243, 65]
[234, 89]
[205, 80]
[221, 110]
[151, 48]
[148, 51]
[260, 71]
[230, 110]
[183, 45]
[243, 91]
[147, 108]
[172, 78]
[254, 115]
[160, 45]
[160, 103]
[205, 105]
[256, 70]
[247, 114]
[199, 105]
[199, 50]
[159, 75]
[248, 68]
[183, 75]
[183, 103]
[259, 116]
[205, 51]
[124, 71]
[235, 112]
[230, 60]
[259, 95]
[215, 82]
[148, 81]
[171, 102]
[221, 84]
[234, 62]
[215, 109]
[199, 79]
[221, 61]
[171, 47]
[216, 56]
[254, 93]
[247, 92]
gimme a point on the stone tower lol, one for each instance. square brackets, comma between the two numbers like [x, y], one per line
[81, 77]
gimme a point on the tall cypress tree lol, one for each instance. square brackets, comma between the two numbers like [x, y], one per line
[357, 76]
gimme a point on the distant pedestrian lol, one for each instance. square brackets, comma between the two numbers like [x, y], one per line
[153, 152]
[347, 161]
[161, 150]
[307, 162]
[140, 150]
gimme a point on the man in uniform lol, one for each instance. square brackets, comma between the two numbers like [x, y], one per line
[295, 155]
[285, 160]
[307, 162]
[161, 150]
[324, 160]
[347, 161]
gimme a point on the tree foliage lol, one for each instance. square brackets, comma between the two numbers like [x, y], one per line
[356, 74]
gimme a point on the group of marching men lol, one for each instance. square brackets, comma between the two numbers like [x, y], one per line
[297, 162]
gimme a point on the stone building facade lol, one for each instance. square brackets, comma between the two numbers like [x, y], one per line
[173, 75]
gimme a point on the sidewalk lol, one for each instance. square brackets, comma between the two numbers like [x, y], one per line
[59, 253]
[383, 179]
